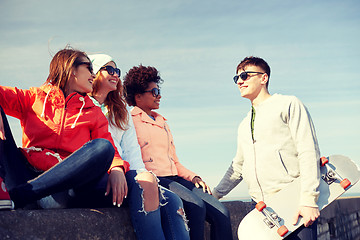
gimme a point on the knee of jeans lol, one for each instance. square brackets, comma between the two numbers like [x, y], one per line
[198, 202]
[148, 183]
[169, 196]
[103, 147]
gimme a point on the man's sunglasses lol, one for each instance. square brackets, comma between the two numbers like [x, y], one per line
[244, 76]
[155, 92]
[89, 66]
[111, 70]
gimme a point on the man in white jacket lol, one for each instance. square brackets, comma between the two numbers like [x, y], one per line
[276, 144]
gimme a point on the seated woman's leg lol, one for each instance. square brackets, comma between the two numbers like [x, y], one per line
[88, 163]
[14, 168]
[193, 205]
[148, 183]
[143, 198]
[216, 213]
[173, 219]
[92, 194]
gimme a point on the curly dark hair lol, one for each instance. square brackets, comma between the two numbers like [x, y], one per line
[137, 80]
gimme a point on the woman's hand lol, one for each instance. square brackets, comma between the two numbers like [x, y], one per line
[117, 183]
[200, 183]
[2, 131]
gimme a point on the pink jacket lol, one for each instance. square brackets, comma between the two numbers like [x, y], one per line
[157, 145]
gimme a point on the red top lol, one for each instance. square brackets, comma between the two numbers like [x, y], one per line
[51, 123]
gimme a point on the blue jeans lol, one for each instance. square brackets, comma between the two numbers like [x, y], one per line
[85, 173]
[26, 185]
[166, 222]
[163, 223]
[302, 233]
[200, 206]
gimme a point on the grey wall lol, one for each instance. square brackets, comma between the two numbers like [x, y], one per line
[340, 220]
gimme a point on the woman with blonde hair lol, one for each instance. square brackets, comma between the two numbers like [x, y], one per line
[66, 143]
[156, 212]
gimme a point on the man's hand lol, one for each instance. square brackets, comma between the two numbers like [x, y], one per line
[117, 183]
[199, 182]
[309, 214]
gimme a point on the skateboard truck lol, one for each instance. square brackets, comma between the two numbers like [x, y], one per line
[272, 219]
[331, 175]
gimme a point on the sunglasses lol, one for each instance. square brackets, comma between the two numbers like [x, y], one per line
[111, 70]
[89, 66]
[155, 92]
[244, 76]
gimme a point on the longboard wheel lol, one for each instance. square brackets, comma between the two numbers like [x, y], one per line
[323, 161]
[260, 206]
[345, 183]
[282, 230]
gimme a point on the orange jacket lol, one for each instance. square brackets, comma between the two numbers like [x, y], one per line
[157, 145]
[54, 127]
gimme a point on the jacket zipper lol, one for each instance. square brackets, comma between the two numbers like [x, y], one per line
[252, 128]
[256, 175]
[167, 133]
[62, 123]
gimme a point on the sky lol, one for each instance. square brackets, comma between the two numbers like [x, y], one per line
[312, 48]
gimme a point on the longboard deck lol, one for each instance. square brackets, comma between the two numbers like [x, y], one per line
[285, 203]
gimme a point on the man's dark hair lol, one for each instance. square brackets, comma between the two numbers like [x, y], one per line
[255, 61]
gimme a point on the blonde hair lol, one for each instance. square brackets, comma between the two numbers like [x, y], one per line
[115, 104]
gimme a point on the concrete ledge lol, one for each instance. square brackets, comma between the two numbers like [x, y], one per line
[109, 223]
[340, 220]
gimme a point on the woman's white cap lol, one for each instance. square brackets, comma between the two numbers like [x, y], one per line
[99, 60]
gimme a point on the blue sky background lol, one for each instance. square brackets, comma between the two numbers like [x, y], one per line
[312, 48]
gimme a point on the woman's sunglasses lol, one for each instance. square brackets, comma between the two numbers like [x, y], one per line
[111, 70]
[244, 76]
[89, 66]
[155, 92]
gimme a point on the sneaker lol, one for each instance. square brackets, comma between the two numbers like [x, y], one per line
[5, 201]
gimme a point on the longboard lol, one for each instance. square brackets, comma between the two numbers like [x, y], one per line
[273, 219]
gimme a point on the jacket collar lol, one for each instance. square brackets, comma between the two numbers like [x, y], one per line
[159, 119]
[56, 97]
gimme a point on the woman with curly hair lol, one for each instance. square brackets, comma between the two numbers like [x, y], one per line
[154, 212]
[141, 85]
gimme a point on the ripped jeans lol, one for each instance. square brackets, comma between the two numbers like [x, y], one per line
[80, 181]
[166, 222]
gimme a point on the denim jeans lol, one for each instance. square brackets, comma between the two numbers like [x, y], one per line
[302, 233]
[26, 185]
[165, 222]
[84, 173]
[200, 206]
